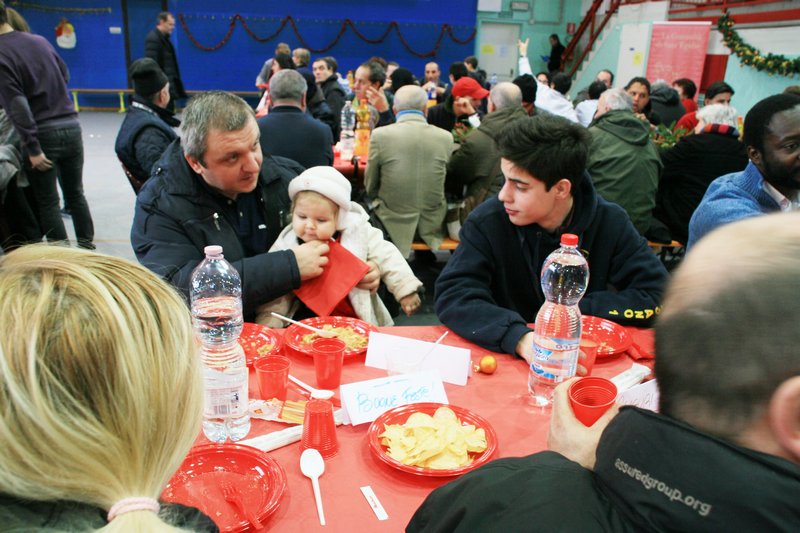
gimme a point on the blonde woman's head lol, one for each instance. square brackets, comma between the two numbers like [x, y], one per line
[99, 380]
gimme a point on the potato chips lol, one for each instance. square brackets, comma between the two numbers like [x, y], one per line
[352, 339]
[439, 442]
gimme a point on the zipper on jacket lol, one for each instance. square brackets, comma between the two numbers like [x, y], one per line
[216, 220]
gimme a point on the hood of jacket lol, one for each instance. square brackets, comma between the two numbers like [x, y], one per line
[665, 95]
[492, 123]
[624, 125]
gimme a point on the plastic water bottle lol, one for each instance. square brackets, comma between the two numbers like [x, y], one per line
[432, 97]
[347, 137]
[216, 301]
[493, 80]
[557, 333]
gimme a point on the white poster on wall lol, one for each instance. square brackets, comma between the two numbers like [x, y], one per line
[632, 61]
[490, 5]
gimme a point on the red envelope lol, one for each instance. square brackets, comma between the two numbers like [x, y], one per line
[343, 272]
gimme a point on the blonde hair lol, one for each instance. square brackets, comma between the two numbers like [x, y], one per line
[99, 381]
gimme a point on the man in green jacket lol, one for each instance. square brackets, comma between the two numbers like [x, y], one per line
[474, 170]
[623, 163]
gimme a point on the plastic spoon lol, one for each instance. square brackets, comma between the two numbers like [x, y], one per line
[312, 465]
[321, 332]
[321, 394]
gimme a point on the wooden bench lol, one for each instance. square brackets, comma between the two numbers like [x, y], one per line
[122, 92]
[447, 244]
[450, 244]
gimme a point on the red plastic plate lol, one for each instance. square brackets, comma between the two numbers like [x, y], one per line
[255, 339]
[294, 333]
[399, 415]
[261, 482]
[610, 336]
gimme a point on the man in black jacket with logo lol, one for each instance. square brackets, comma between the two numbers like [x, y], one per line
[158, 47]
[147, 129]
[213, 186]
[723, 453]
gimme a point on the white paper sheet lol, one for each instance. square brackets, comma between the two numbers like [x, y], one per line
[452, 363]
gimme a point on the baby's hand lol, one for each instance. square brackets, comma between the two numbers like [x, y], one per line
[410, 304]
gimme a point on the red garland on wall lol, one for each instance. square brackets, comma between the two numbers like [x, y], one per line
[446, 29]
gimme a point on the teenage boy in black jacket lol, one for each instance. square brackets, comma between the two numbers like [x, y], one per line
[490, 289]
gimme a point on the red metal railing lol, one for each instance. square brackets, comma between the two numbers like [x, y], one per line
[594, 30]
[594, 33]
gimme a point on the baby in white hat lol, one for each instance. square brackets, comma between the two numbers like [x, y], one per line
[322, 210]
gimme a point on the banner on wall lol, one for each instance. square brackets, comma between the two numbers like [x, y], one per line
[678, 50]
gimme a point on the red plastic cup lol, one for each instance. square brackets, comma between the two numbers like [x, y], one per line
[589, 348]
[590, 398]
[328, 359]
[319, 428]
[272, 373]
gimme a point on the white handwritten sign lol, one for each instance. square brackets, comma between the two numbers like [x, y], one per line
[364, 401]
[453, 363]
[644, 395]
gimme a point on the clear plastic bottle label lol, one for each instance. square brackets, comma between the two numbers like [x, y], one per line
[555, 359]
[225, 393]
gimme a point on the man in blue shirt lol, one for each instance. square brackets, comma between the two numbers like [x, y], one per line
[771, 180]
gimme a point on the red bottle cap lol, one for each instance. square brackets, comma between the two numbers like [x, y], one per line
[569, 239]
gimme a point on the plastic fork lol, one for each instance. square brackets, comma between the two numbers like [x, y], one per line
[232, 495]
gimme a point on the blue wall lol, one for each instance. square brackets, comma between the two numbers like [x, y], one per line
[98, 60]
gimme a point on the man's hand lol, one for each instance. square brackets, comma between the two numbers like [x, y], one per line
[40, 162]
[377, 99]
[310, 257]
[525, 347]
[463, 106]
[523, 47]
[568, 436]
[410, 303]
[525, 350]
[372, 278]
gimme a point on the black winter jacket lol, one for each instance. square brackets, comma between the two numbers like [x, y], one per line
[689, 168]
[335, 96]
[144, 136]
[652, 473]
[177, 215]
[490, 291]
[158, 47]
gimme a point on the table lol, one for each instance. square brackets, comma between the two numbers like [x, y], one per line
[501, 398]
[353, 170]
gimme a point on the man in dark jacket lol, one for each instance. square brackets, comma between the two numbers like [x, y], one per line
[490, 291]
[147, 129]
[288, 131]
[667, 103]
[692, 164]
[211, 187]
[722, 455]
[623, 162]
[158, 47]
[327, 80]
